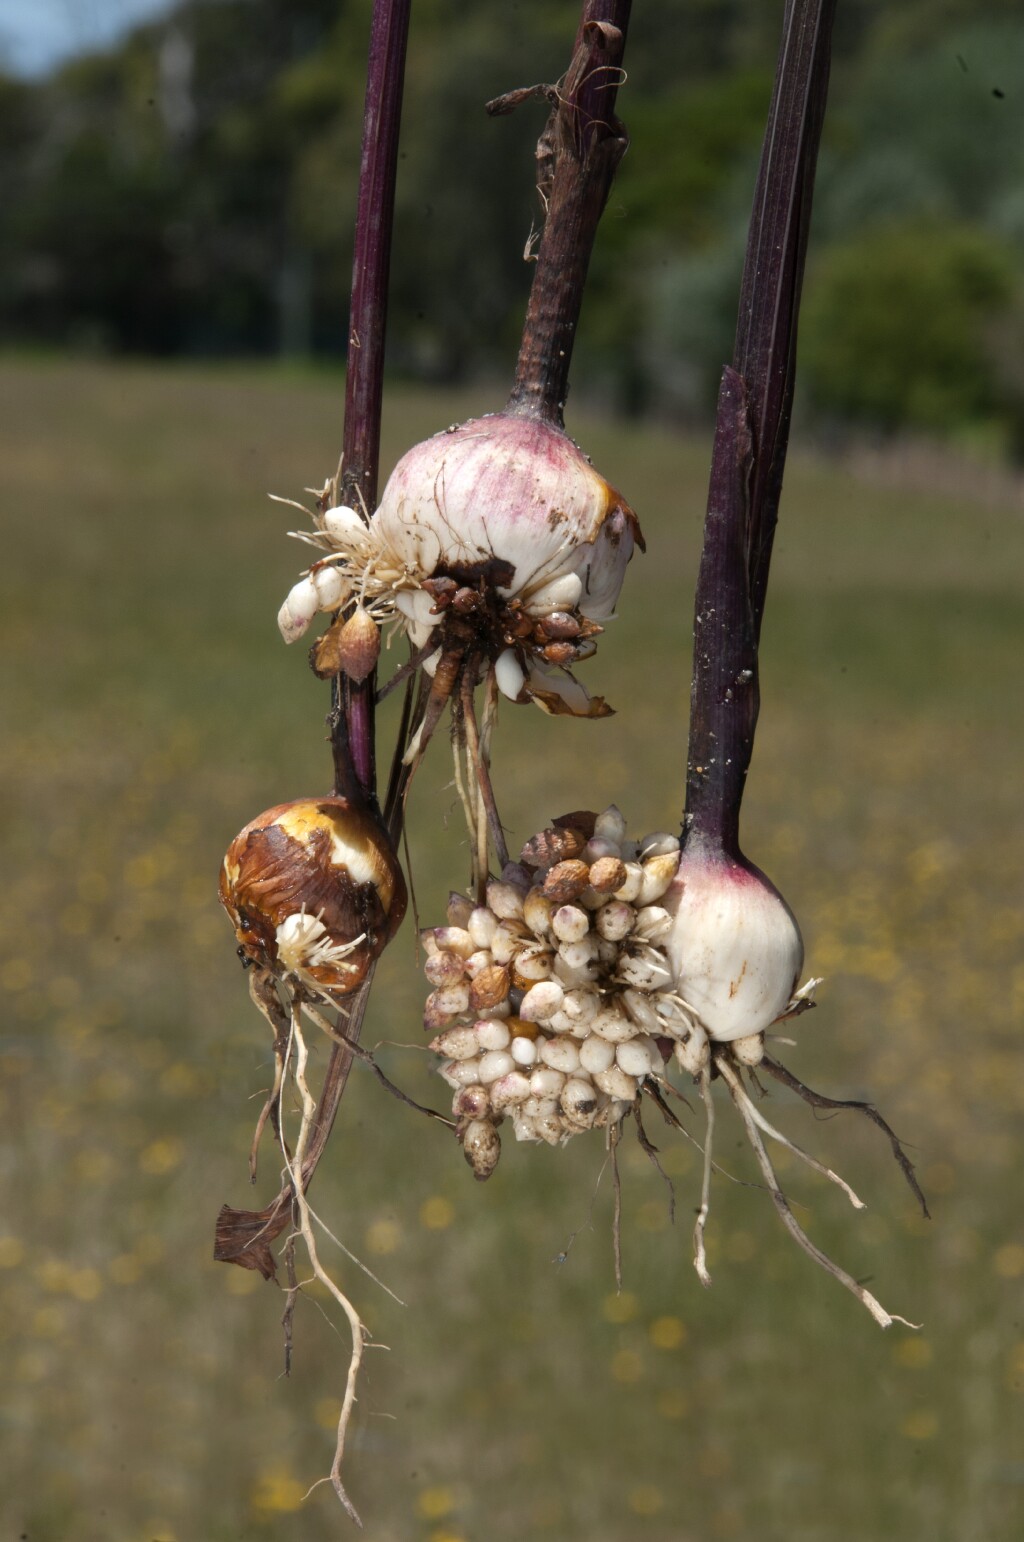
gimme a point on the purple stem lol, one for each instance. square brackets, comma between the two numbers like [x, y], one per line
[353, 702]
[245, 1236]
[751, 437]
[764, 352]
[587, 142]
[352, 732]
[724, 699]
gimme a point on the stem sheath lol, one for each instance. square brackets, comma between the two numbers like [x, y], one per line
[751, 437]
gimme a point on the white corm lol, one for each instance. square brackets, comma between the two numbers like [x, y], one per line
[734, 944]
[499, 524]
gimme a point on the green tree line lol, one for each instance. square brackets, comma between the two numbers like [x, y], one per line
[192, 192]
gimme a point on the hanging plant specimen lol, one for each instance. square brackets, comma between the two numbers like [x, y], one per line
[597, 975]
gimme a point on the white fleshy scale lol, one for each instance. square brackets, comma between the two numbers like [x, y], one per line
[579, 1101]
[345, 528]
[457, 1044]
[546, 1082]
[613, 1025]
[472, 1102]
[475, 964]
[635, 1058]
[692, 1054]
[561, 1052]
[331, 589]
[491, 1033]
[645, 971]
[533, 965]
[598, 847]
[509, 1090]
[508, 672]
[447, 969]
[542, 1001]
[463, 1073]
[504, 945]
[610, 826]
[573, 976]
[581, 1005]
[504, 901]
[482, 925]
[537, 912]
[641, 1008]
[659, 871]
[450, 1000]
[615, 920]
[659, 844]
[596, 1054]
[629, 890]
[496, 1063]
[454, 939]
[581, 953]
[523, 1050]
[616, 1083]
[298, 610]
[570, 924]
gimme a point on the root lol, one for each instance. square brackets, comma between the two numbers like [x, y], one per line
[561, 1257]
[789, 1220]
[264, 996]
[819, 1100]
[472, 813]
[614, 1133]
[650, 1151]
[404, 673]
[739, 1094]
[367, 1057]
[700, 1258]
[478, 753]
[656, 1087]
[443, 684]
[291, 1296]
[487, 727]
[353, 1259]
[413, 705]
[294, 1167]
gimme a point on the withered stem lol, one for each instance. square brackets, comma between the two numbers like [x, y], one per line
[586, 141]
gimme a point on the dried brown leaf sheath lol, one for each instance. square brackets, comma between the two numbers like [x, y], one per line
[320, 857]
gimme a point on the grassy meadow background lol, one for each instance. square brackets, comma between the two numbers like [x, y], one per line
[149, 710]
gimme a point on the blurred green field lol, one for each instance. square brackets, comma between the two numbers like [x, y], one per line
[150, 710]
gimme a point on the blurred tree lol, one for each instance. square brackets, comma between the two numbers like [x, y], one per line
[899, 326]
[193, 189]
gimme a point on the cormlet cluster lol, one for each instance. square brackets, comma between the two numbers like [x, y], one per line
[555, 998]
